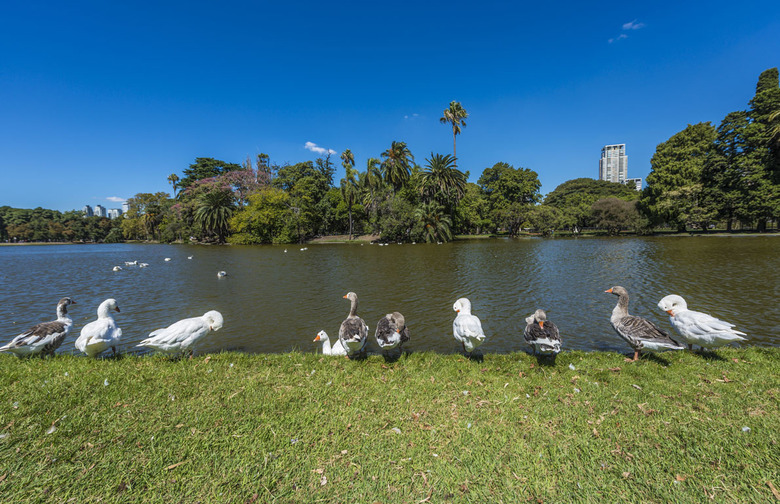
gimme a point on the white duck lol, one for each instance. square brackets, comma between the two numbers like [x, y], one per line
[182, 335]
[466, 327]
[391, 331]
[696, 327]
[542, 335]
[638, 332]
[102, 333]
[43, 338]
[221, 274]
[117, 268]
[353, 332]
[337, 349]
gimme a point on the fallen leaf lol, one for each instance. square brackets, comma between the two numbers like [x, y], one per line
[343, 452]
[179, 426]
[626, 474]
[6, 474]
[769, 484]
[252, 499]
[177, 464]
[318, 471]
[680, 478]
[323, 480]
[615, 369]
[636, 386]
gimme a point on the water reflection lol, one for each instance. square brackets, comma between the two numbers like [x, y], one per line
[276, 301]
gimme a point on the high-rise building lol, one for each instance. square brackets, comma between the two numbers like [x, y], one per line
[114, 213]
[100, 211]
[87, 211]
[125, 207]
[613, 165]
[636, 183]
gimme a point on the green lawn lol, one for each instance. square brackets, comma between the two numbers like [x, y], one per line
[429, 428]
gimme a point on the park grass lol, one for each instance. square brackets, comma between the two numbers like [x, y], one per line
[298, 427]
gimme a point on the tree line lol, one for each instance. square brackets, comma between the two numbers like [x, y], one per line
[702, 177]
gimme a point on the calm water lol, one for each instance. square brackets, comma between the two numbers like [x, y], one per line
[274, 301]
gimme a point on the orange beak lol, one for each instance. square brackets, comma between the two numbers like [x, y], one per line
[344, 296]
[317, 338]
[457, 311]
[670, 312]
[609, 290]
[541, 324]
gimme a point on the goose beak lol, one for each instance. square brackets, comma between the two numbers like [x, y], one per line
[117, 309]
[457, 311]
[344, 296]
[316, 339]
[670, 312]
[541, 324]
[609, 290]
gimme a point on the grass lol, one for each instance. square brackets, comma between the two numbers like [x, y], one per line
[299, 427]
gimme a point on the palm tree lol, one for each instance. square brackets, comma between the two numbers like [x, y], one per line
[214, 211]
[442, 181]
[455, 115]
[435, 222]
[396, 164]
[370, 183]
[349, 184]
[173, 179]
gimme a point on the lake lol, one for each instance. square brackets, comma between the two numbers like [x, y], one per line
[276, 298]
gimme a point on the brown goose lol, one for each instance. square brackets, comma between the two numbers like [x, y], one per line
[391, 331]
[541, 334]
[353, 332]
[638, 332]
[43, 338]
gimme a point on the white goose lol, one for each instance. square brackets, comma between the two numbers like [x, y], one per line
[181, 336]
[102, 333]
[43, 338]
[327, 349]
[698, 328]
[353, 332]
[466, 327]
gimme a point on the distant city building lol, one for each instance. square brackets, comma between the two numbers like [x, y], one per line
[636, 182]
[613, 165]
[87, 211]
[100, 211]
[125, 207]
[114, 213]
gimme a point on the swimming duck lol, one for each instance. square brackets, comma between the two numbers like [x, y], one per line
[337, 349]
[43, 338]
[221, 274]
[697, 327]
[181, 336]
[466, 327]
[391, 332]
[102, 333]
[541, 334]
[353, 332]
[638, 332]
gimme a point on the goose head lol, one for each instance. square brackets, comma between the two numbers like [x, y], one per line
[617, 291]
[62, 305]
[539, 316]
[214, 320]
[322, 336]
[462, 305]
[106, 306]
[672, 304]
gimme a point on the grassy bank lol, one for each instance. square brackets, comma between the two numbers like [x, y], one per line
[428, 428]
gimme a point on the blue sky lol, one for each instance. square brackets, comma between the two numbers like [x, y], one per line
[106, 99]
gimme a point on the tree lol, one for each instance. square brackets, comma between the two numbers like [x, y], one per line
[574, 198]
[472, 214]
[264, 219]
[204, 168]
[349, 188]
[545, 219]
[435, 222]
[615, 215]
[676, 169]
[173, 179]
[396, 164]
[511, 192]
[442, 182]
[372, 189]
[456, 116]
[214, 211]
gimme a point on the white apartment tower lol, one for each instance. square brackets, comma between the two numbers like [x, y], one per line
[613, 165]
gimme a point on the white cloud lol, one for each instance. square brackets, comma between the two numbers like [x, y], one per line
[318, 150]
[116, 199]
[619, 37]
[633, 25]
[412, 117]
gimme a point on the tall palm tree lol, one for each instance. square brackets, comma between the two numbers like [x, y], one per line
[455, 114]
[435, 222]
[173, 179]
[397, 164]
[441, 181]
[349, 188]
[214, 211]
[370, 183]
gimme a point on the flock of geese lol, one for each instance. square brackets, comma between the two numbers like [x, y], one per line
[695, 328]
